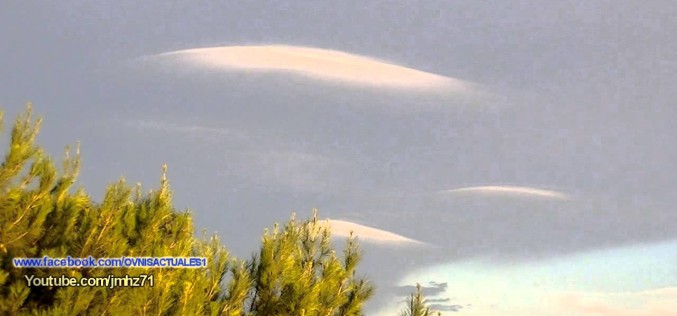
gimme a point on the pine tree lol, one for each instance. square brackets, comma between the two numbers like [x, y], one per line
[296, 270]
[416, 305]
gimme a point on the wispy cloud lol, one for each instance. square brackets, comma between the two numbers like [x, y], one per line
[316, 63]
[511, 190]
[654, 293]
[369, 234]
[298, 171]
[188, 129]
[256, 159]
[659, 302]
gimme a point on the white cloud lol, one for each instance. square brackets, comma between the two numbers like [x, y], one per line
[368, 234]
[511, 190]
[178, 128]
[316, 63]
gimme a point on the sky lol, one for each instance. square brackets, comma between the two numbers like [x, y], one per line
[513, 157]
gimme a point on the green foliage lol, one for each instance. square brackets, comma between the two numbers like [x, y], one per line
[416, 305]
[296, 271]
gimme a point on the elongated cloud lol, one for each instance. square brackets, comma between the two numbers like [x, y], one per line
[170, 127]
[654, 293]
[195, 131]
[511, 190]
[368, 234]
[316, 63]
[298, 171]
[662, 302]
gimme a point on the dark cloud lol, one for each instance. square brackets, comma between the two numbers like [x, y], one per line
[437, 300]
[432, 299]
[433, 290]
[445, 308]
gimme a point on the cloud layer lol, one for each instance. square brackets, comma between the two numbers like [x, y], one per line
[317, 63]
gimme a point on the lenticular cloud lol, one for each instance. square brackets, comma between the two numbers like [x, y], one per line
[368, 234]
[512, 190]
[315, 63]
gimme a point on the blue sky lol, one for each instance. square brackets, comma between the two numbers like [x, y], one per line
[499, 143]
[482, 286]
